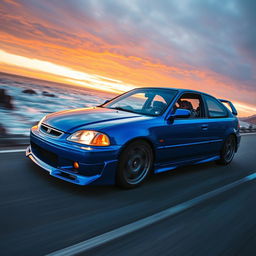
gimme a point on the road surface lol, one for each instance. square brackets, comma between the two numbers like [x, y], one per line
[40, 214]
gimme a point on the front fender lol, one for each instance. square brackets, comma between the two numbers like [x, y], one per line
[124, 134]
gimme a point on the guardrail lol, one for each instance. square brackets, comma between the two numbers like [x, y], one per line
[247, 130]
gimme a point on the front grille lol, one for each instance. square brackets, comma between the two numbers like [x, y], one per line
[50, 131]
[45, 155]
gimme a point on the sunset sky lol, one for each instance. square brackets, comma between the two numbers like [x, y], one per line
[118, 45]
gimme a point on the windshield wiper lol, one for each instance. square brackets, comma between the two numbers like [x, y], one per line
[123, 109]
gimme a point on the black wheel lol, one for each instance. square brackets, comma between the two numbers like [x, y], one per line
[135, 163]
[228, 150]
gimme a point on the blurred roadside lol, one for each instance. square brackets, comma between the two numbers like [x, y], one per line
[24, 101]
[13, 141]
[248, 130]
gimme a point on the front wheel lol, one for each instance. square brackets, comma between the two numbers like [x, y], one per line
[135, 163]
[228, 150]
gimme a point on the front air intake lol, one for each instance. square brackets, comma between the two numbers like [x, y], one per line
[50, 131]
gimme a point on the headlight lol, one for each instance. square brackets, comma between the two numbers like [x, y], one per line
[91, 138]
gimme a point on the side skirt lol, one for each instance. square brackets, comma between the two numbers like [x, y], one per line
[174, 165]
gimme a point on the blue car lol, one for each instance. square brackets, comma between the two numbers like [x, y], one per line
[143, 131]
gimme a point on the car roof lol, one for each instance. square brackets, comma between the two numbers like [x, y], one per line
[172, 88]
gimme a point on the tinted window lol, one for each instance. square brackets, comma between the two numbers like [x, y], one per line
[215, 108]
[192, 102]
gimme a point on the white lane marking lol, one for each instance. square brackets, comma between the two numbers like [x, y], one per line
[12, 151]
[142, 223]
[252, 133]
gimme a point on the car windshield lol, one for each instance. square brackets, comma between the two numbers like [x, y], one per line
[148, 101]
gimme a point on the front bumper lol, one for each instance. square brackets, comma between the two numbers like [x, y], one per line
[97, 166]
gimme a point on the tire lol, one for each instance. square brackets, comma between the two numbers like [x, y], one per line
[228, 150]
[135, 164]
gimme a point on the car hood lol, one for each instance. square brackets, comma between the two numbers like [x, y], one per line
[72, 120]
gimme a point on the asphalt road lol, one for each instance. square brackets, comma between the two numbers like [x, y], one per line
[40, 214]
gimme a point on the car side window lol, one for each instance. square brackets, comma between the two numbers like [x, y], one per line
[215, 108]
[192, 102]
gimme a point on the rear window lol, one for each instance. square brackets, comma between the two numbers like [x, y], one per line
[215, 108]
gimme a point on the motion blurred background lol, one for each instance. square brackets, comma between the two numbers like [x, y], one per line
[24, 101]
[63, 54]
[57, 55]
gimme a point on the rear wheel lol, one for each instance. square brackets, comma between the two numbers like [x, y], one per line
[135, 163]
[228, 150]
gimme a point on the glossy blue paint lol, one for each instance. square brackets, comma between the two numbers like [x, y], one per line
[175, 141]
[179, 113]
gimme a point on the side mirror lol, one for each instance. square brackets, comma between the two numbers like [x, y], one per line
[184, 113]
[180, 113]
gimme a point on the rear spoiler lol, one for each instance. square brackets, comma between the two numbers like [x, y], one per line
[233, 109]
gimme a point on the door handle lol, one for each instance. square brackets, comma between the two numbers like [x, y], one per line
[204, 127]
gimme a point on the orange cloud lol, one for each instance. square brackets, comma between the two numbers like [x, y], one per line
[82, 54]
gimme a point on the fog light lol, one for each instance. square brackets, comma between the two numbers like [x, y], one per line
[76, 165]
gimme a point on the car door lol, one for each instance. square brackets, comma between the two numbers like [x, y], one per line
[218, 120]
[185, 139]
